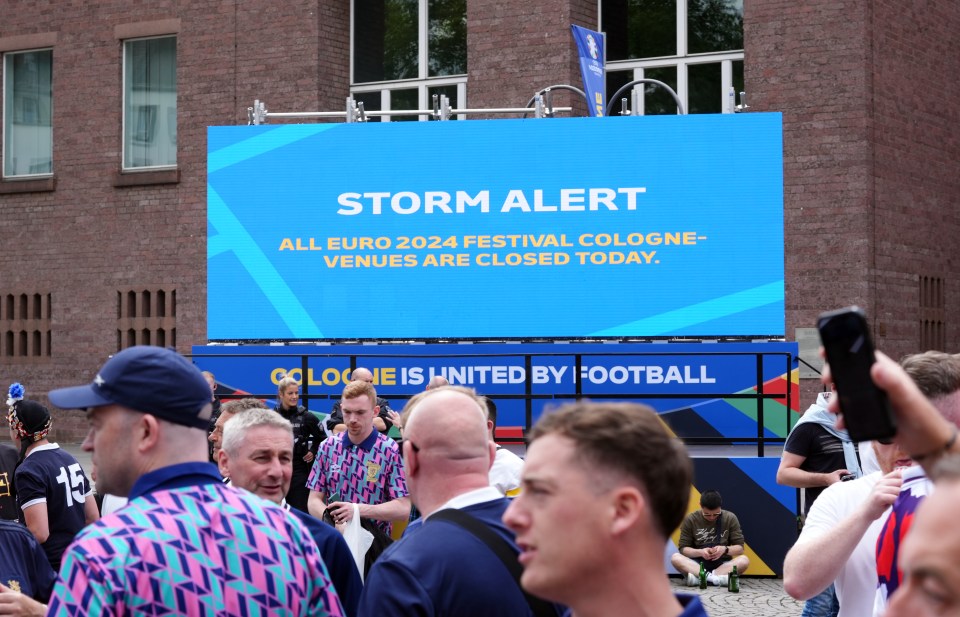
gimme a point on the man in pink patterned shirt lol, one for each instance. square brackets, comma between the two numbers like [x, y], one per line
[185, 544]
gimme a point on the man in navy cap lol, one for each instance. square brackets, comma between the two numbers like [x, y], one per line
[185, 544]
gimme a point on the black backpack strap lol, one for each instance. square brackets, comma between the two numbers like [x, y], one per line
[501, 548]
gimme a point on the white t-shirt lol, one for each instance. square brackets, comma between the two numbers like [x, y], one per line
[111, 503]
[857, 581]
[505, 472]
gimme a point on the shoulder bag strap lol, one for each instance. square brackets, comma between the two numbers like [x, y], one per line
[500, 547]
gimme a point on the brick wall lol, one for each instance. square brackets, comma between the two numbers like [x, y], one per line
[870, 149]
[807, 60]
[518, 48]
[87, 239]
[917, 146]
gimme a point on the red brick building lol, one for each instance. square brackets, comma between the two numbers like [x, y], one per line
[103, 205]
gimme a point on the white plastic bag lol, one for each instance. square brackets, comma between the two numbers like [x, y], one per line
[358, 539]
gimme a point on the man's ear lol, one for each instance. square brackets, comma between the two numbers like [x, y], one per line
[146, 432]
[223, 463]
[629, 507]
[411, 462]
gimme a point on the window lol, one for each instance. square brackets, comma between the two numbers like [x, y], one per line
[694, 46]
[27, 114]
[405, 51]
[150, 103]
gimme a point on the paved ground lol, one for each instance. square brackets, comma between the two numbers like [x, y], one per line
[758, 597]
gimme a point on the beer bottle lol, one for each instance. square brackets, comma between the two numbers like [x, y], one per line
[703, 576]
[733, 581]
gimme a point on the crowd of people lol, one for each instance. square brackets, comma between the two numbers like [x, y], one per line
[296, 517]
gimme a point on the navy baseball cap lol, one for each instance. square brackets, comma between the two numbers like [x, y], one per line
[151, 380]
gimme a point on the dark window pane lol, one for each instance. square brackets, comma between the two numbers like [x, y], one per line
[385, 40]
[371, 102]
[404, 99]
[639, 28]
[615, 81]
[656, 100]
[450, 92]
[447, 37]
[714, 25]
[705, 89]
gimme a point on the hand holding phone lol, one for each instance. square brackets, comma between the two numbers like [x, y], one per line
[850, 353]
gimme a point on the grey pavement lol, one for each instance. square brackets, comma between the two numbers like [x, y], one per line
[758, 597]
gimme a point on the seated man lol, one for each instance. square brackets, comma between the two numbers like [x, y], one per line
[712, 537]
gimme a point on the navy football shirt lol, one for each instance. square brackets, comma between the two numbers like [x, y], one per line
[53, 477]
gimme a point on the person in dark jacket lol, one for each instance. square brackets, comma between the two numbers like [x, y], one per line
[307, 436]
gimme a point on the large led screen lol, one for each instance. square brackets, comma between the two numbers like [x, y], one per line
[659, 226]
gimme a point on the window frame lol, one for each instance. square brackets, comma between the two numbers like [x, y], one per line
[680, 61]
[3, 116]
[423, 82]
[123, 106]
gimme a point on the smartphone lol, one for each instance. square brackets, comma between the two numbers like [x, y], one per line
[333, 498]
[850, 353]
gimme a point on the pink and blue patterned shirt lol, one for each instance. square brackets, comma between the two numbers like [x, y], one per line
[186, 544]
[370, 472]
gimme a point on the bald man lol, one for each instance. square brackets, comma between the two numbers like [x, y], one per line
[442, 568]
[437, 381]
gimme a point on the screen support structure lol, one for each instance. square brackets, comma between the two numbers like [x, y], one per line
[354, 111]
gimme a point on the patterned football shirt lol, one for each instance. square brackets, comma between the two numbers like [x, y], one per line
[186, 544]
[914, 489]
[370, 472]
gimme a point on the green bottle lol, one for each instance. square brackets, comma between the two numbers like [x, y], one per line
[733, 581]
[703, 576]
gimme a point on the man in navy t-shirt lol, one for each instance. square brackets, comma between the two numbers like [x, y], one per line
[53, 493]
[441, 568]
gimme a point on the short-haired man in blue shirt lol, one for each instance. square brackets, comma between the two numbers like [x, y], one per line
[604, 485]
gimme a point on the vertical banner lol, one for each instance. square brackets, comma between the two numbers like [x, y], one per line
[590, 50]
